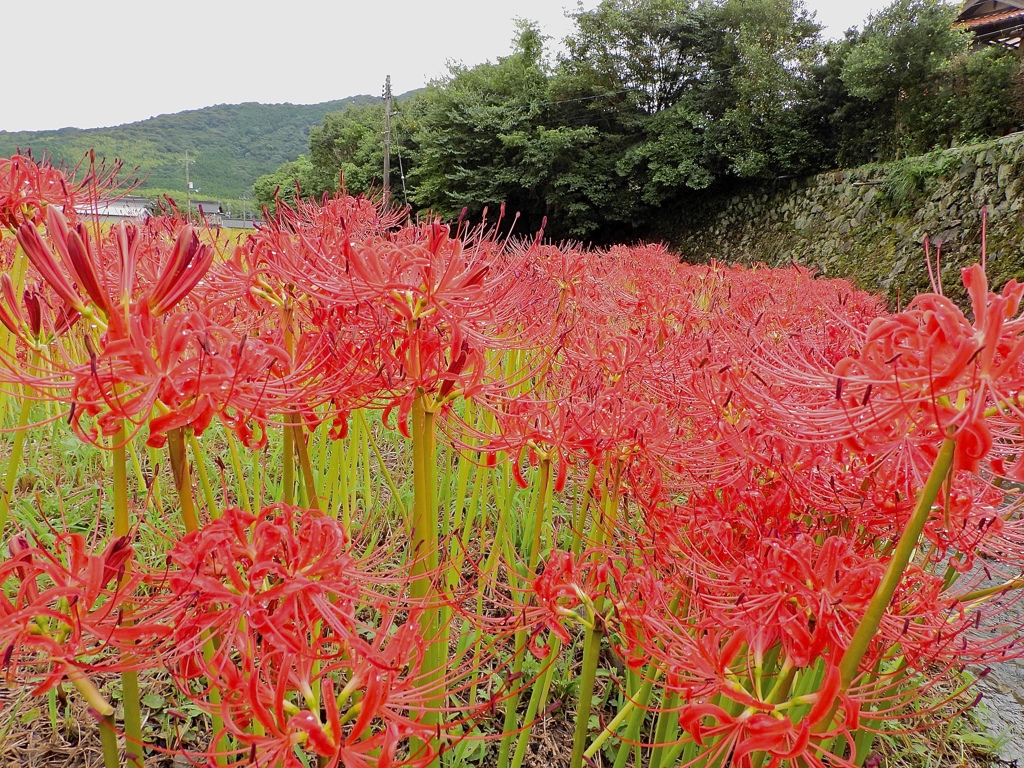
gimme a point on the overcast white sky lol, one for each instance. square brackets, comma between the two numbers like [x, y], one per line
[90, 63]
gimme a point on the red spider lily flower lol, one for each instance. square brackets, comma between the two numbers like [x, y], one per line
[73, 259]
[44, 261]
[280, 571]
[27, 188]
[742, 737]
[286, 603]
[184, 364]
[185, 266]
[559, 594]
[931, 371]
[62, 609]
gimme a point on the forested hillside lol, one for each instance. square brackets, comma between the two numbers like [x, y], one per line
[231, 144]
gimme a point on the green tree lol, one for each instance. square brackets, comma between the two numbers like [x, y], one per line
[348, 144]
[282, 183]
[757, 117]
[695, 92]
[986, 87]
[650, 51]
[897, 65]
[485, 135]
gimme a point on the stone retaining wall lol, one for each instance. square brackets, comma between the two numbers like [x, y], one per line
[870, 223]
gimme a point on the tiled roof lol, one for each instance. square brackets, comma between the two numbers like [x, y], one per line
[992, 19]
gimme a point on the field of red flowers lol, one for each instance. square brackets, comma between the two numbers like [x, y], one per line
[380, 493]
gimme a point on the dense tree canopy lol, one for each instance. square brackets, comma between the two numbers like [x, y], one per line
[655, 100]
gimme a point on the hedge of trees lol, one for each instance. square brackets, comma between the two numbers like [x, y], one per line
[653, 101]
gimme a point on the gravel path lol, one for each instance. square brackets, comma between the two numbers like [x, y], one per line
[1002, 689]
[1003, 707]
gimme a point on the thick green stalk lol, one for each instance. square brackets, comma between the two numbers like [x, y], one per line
[592, 644]
[581, 519]
[204, 476]
[312, 501]
[588, 675]
[636, 717]
[541, 489]
[241, 493]
[122, 527]
[850, 662]
[108, 742]
[424, 556]
[182, 478]
[216, 720]
[369, 499]
[14, 462]
[849, 665]
[666, 728]
[102, 708]
[183, 485]
[288, 462]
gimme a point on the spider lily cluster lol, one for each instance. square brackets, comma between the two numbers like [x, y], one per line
[408, 458]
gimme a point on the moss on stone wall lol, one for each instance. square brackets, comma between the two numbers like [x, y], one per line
[869, 224]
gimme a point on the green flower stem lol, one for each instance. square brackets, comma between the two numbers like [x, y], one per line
[204, 476]
[183, 485]
[512, 704]
[624, 711]
[581, 520]
[423, 551]
[594, 635]
[999, 589]
[122, 527]
[241, 493]
[14, 461]
[637, 716]
[259, 480]
[312, 500]
[182, 478]
[369, 498]
[107, 726]
[288, 461]
[108, 742]
[216, 720]
[850, 663]
[588, 675]
[652, 674]
[666, 729]
[538, 699]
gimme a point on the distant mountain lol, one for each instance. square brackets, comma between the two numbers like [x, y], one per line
[231, 144]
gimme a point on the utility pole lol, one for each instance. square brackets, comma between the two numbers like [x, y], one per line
[188, 187]
[387, 138]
